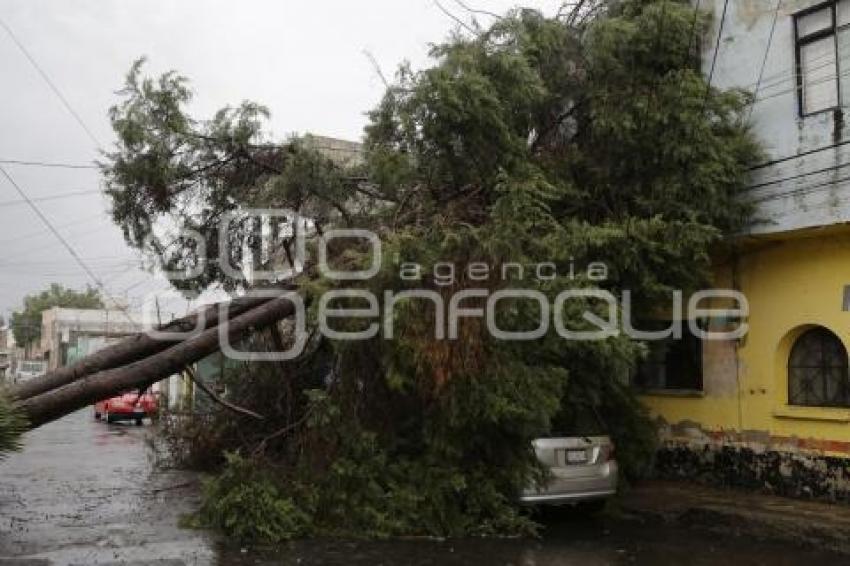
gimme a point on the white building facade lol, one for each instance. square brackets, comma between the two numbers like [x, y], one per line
[794, 55]
[70, 334]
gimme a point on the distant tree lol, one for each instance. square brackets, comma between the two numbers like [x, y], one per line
[26, 324]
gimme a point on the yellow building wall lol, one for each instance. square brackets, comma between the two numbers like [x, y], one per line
[790, 285]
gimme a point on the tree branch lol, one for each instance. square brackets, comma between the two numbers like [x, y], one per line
[226, 404]
[460, 22]
[477, 10]
[377, 68]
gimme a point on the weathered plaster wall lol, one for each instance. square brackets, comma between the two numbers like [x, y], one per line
[743, 419]
[814, 200]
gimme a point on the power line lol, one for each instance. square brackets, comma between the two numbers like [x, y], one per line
[51, 84]
[716, 52]
[800, 190]
[798, 176]
[769, 81]
[59, 236]
[30, 235]
[457, 20]
[140, 283]
[764, 60]
[47, 164]
[25, 251]
[477, 10]
[799, 155]
[777, 79]
[106, 260]
[61, 273]
[822, 80]
[50, 197]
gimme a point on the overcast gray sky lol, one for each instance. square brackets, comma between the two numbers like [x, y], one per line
[303, 59]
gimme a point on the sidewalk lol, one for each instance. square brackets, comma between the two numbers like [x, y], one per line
[811, 523]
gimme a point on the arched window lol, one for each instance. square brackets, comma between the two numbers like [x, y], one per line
[817, 370]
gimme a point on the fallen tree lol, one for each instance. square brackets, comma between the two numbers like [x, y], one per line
[535, 142]
[133, 349]
[60, 401]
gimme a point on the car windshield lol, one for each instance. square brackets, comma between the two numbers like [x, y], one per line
[578, 420]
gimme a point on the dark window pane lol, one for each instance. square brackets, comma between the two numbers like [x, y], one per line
[817, 370]
[836, 386]
[807, 351]
[671, 363]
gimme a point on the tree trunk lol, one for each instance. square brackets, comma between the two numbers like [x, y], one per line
[56, 403]
[129, 350]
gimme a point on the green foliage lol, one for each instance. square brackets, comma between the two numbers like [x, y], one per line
[26, 324]
[12, 425]
[246, 505]
[359, 489]
[170, 169]
[587, 138]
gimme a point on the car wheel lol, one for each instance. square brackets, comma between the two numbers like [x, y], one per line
[138, 422]
[96, 416]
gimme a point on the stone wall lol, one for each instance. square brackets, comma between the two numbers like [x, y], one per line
[800, 474]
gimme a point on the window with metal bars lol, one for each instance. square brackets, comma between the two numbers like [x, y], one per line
[817, 370]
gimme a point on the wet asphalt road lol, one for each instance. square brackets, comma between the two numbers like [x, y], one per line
[83, 492]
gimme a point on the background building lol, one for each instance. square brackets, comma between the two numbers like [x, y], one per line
[6, 350]
[70, 334]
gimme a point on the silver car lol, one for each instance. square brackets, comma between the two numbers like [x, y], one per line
[581, 465]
